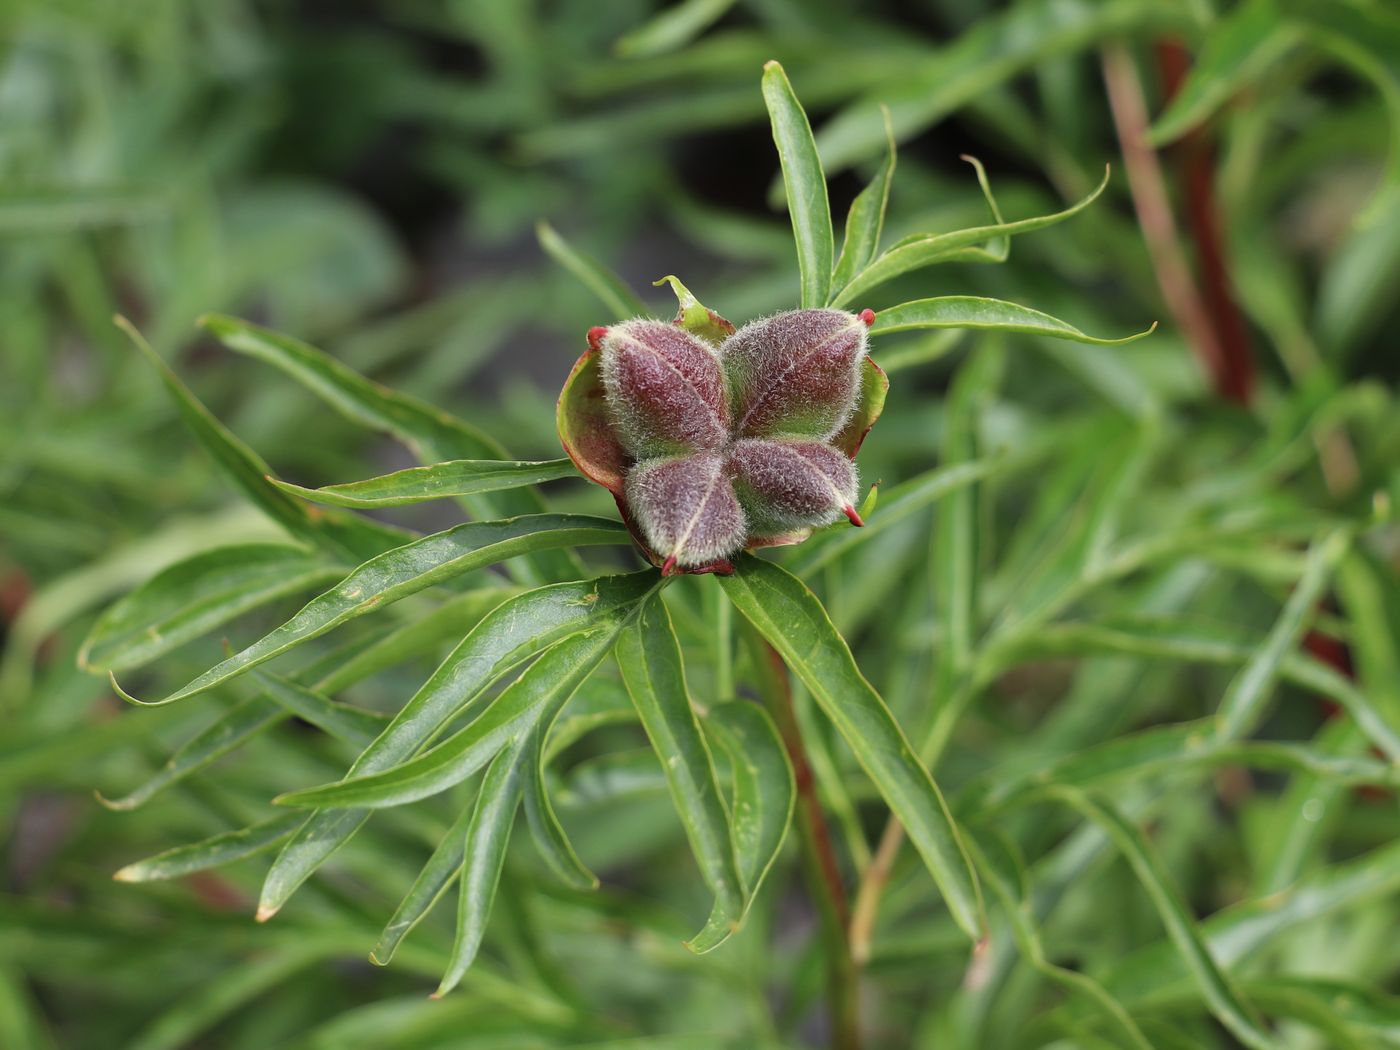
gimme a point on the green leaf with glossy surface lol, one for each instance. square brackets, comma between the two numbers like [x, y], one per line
[805, 185]
[341, 534]
[926, 249]
[431, 434]
[484, 854]
[353, 725]
[866, 220]
[407, 570]
[550, 839]
[971, 311]
[460, 477]
[652, 667]
[442, 866]
[510, 634]
[212, 852]
[550, 680]
[761, 804]
[785, 612]
[194, 596]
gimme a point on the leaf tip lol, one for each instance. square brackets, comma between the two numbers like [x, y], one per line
[116, 688]
[130, 873]
[265, 912]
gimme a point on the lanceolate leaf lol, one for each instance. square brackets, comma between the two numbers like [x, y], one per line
[545, 685]
[430, 433]
[761, 806]
[1216, 988]
[340, 534]
[444, 865]
[1237, 49]
[920, 250]
[194, 596]
[245, 720]
[1243, 704]
[786, 613]
[866, 220]
[805, 185]
[406, 570]
[549, 836]
[350, 724]
[512, 633]
[610, 289]
[459, 477]
[896, 504]
[650, 658]
[970, 311]
[488, 834]
[212, 852]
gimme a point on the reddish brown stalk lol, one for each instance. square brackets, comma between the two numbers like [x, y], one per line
[1153, 206]
[1195, 156]
[822, 871]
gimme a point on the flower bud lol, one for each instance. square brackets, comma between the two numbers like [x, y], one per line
[794, 374]
[665, 388]
[789, 485]
[686, 509]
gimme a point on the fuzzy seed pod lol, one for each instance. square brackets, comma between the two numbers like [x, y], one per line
[665, 388]
[795, 374]
[686, 509]
[789, 485]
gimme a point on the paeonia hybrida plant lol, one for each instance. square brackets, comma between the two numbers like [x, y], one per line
[714, 442]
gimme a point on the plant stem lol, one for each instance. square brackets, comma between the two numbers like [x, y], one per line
[819, 867]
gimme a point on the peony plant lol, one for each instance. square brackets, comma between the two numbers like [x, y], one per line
[714, 442]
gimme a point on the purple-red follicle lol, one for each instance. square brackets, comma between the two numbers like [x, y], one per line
[595, 336]
[669, 565]
[850, 512]
[867, 316]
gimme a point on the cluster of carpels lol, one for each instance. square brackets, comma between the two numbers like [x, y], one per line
[721, 444]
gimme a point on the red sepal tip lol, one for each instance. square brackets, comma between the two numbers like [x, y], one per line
[669, 565]
[595, 336]
[868, 316]
[850, 512]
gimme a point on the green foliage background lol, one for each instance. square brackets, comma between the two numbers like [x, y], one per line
[1132, 550]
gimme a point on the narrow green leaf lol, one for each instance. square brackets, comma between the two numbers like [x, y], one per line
[610, 289]
[805, 185]
[764, 794]
[242, 722]
[970, 311]
[550, 680]
[672, 28]
[785, 612]
[1205, 644]
[441, 868]
[484, 855]
[212, 852]
[1242, 707]
[459, 477]
[340, 534]
[510, 634]
[926, 249]
[1002, 870]
[548, 833]
[1241, 45]
[896, 504]
[866, 220]
[407, 570]
[353, 725]
[431, 434]
[194, 596]
[1236, 933]
[1216, 988]
[649, 655]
